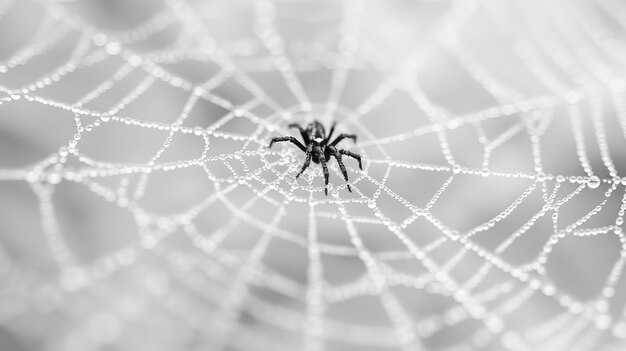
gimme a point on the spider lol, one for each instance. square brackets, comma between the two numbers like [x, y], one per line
[317, 148]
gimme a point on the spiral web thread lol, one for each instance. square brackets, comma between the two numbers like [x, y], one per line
[222, 293]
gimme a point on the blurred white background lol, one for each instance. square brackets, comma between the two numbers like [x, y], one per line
[140, 208]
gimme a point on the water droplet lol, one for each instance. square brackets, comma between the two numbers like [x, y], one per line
[549, 290]
[371, 204]
[54, 177]
[32, 176]
[619, 330]
[135, 60]
[334, 193]
[105, 117]
[148, 242]
[99, 39]
[541, 177]
[453, 124]
[495, 325]
[113, 48]
[603, 322]
[593, 182]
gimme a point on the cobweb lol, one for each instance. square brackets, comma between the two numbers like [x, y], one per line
[142, 210]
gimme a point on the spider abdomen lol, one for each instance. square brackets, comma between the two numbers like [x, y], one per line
[317, 132]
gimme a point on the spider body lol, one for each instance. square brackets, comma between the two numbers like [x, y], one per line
[318, 148]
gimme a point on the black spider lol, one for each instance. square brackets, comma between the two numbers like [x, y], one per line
[317, 148]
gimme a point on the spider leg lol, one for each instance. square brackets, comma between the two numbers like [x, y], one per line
[303, 133]
[330, 134]
[353, 155]
[287, 138]
[343, 136]
[342, 167]
[320, 156]
[307, 161]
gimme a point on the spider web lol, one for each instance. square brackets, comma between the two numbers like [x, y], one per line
[139, 198]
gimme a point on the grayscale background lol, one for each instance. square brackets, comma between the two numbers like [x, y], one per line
[141, 209]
